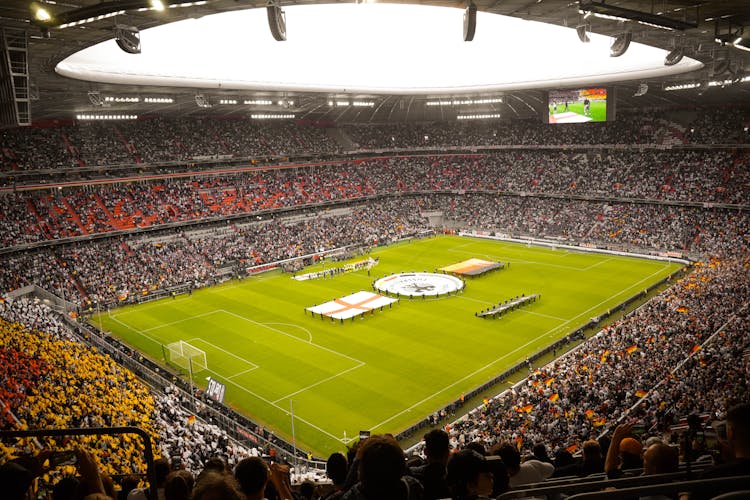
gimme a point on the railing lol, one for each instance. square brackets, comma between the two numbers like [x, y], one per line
[98, 431]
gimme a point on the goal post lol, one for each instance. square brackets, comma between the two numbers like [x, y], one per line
[186, 356]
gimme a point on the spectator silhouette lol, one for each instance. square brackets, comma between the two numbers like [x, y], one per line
[432, 474]
[252, 474]
[382, 466]
[469, 476]
[528, 472]
[336, 470]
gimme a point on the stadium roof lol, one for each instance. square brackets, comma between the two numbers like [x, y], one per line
[695, 25]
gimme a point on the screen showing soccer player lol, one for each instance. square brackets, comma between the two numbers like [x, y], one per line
[578, 106]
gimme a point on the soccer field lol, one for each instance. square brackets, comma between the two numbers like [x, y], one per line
[382, 371]
[598, 110]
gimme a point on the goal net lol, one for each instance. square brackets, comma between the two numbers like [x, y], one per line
[183, 355]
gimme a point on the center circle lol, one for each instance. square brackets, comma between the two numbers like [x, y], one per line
[418, 284]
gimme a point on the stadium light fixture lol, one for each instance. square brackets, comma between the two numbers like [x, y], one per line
[258, 102]
[99, 117]
[674, 56]
[272, 116]
[620, 44]
[464, 102]
[128, 38]
[642, 89]
[158, 100]
[122, 99]
[470, 21]
[42, 14]
[608, 11]
[682, 86]
[276, 21]
[479, 116]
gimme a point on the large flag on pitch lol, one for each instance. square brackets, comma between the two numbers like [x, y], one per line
[351, 305]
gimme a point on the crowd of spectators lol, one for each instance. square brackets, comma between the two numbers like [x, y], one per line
[158, 140]
[695, 230]
[50, 379]
[683, 352]
[585, 392]
[83, 272]
[706, 176]
[49, 382]
[719, 126]
[114, 269]
[155, 140]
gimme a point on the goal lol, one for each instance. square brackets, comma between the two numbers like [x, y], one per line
[184, 355]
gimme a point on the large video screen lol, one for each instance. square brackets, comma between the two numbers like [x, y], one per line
[578, 106]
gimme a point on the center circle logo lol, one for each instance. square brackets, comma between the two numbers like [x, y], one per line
[418, 284]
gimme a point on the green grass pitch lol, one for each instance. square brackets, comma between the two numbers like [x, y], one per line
[598, 110]
[388, 370]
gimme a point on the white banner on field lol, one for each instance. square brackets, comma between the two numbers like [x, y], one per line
[351, 305]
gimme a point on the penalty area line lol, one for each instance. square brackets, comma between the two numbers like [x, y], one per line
[488, 365]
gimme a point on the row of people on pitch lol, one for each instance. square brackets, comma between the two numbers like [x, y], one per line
[588, 390]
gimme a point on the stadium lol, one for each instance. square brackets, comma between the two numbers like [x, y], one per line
[481, 249]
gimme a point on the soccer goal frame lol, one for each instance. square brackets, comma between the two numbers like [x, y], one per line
[186, 356]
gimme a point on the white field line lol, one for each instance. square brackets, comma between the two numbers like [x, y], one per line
[154, 303]
[179, 321]
[483, 302]
[512, 246]
[265, 325]
[524, 261]
[406, 410]
[255, 395]
[592, 266]
[506, 258]
[241, 373]
[309, 335]
[137, 331]
[336, 375]
[249, 363]
[271, 403]
[543, 315]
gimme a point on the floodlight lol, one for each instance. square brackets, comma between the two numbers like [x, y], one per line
[470, 22]
[621, 44]
[128, 38]
[42, 14]
[642, 89]
[674, 56]
[277, 22]
[582, 35]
